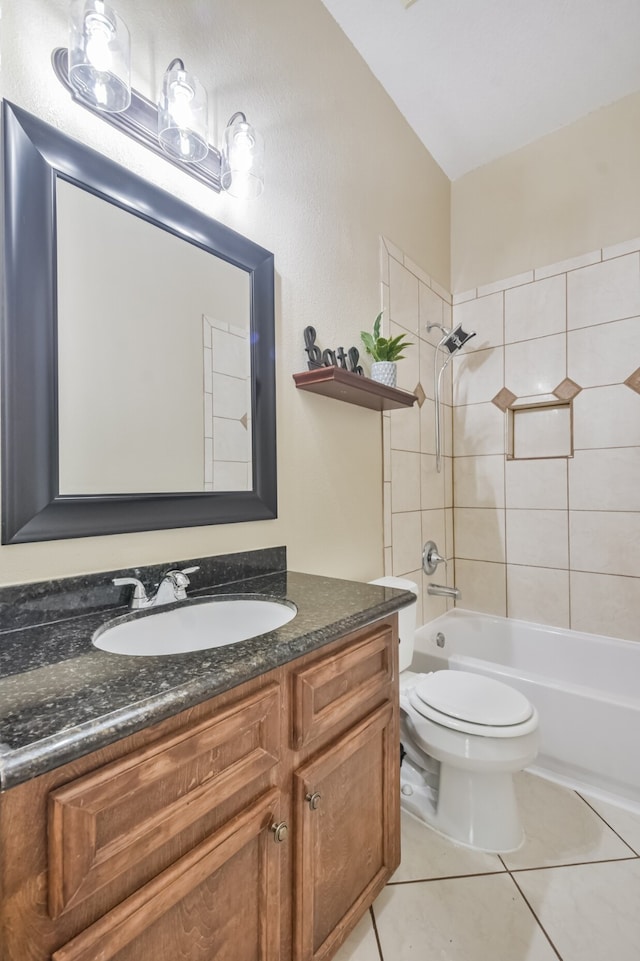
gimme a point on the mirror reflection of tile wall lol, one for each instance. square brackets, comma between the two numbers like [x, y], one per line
[418, 501]
[227, 406]
[552, 539]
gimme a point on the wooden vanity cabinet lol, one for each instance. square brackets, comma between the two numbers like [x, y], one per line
[257, 826]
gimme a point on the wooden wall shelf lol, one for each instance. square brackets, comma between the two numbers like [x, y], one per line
[341, 384]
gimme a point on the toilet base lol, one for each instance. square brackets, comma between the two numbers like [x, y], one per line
[476, 810]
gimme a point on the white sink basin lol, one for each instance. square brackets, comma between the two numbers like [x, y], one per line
[196, 625]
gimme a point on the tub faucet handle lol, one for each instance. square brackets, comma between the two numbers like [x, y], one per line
[431, 557]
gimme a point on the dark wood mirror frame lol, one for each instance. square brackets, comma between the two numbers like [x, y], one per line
[34, 155]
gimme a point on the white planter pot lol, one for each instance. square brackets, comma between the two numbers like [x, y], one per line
[384, 371]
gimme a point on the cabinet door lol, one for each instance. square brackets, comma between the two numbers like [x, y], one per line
[346, 800]
[221, 900]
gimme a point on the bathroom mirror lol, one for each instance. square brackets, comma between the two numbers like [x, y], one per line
[138, 382]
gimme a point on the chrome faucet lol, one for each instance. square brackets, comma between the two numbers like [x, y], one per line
[431, 557]
[442, 590]
[172, 587]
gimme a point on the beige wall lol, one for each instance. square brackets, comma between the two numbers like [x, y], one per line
[342, 168]
[569, 193]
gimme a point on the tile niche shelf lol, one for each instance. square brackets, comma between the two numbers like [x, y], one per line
[342, 384]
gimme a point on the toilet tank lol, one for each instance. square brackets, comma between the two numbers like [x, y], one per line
[406, 617]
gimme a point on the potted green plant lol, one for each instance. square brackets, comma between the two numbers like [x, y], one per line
[385, 351]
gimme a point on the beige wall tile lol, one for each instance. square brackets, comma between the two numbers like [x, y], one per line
[464, 295]
[514, 281]
[427, 373]
[538, 594]
[403, 297]
[431, 483]
[447, 464]
[434, 529]
[485, 317]
[535, 366]
[430, 312]
[427, 427]
[584, 260]
[604, 292]
[409, 366]
[482, 586]
[536, 484]
[479, 481]
[405, 480]
[386, 508]
[537, 538]
[417, 271]
[535, 310]
[618, 250]
[405, 428]
[542, 432]
[605, 480]
[606, 417]
[407, 542]
[479, 533]
[441, 291]
[603, 354]
[478, 429]
[386, 447]
[607, 542]
[432, 606]
[449, 541]
[605, 604]
[477, 375]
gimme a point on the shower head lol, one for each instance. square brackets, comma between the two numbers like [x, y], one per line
[457, 339]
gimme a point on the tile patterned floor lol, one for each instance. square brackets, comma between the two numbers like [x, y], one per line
[571, 893]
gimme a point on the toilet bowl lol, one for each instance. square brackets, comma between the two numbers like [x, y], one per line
[463, 737]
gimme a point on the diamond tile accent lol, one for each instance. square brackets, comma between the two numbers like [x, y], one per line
[504, 399]
[420, 394]
[567, 389]
[633, 381]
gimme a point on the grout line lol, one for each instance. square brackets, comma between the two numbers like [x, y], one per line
[536, 918]
[375, 932]
[446, 877]
[574, 864]
[602, 818]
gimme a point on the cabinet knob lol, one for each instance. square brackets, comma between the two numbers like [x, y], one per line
[314, 800]
[280, 831]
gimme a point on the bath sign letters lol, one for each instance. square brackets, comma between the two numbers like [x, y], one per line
[330, 358]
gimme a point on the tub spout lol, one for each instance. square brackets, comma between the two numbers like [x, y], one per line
[441, 590]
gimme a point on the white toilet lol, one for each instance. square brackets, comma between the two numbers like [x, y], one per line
[463, 736]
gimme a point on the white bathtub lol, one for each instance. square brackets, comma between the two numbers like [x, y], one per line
[586, 688]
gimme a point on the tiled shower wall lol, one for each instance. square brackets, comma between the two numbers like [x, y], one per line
[553, 540]
[418, 501]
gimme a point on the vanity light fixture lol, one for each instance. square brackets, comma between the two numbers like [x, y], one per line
[182, 114]
[95, 70]
[99, 55]
[242, 159]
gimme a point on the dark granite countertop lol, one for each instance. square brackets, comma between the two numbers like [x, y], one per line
[60, 697]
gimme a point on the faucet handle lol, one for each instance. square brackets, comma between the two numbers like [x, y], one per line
[180, 581]
[139, 597]
[431, 558]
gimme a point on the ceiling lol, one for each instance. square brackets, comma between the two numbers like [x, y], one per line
[477, 79]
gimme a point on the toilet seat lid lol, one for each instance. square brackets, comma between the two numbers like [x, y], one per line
[474, 698]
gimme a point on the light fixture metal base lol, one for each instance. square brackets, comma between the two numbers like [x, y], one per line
[140, 122]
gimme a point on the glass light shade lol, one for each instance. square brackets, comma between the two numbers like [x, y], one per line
[242, 173]
[182, 115]
[99, 55]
